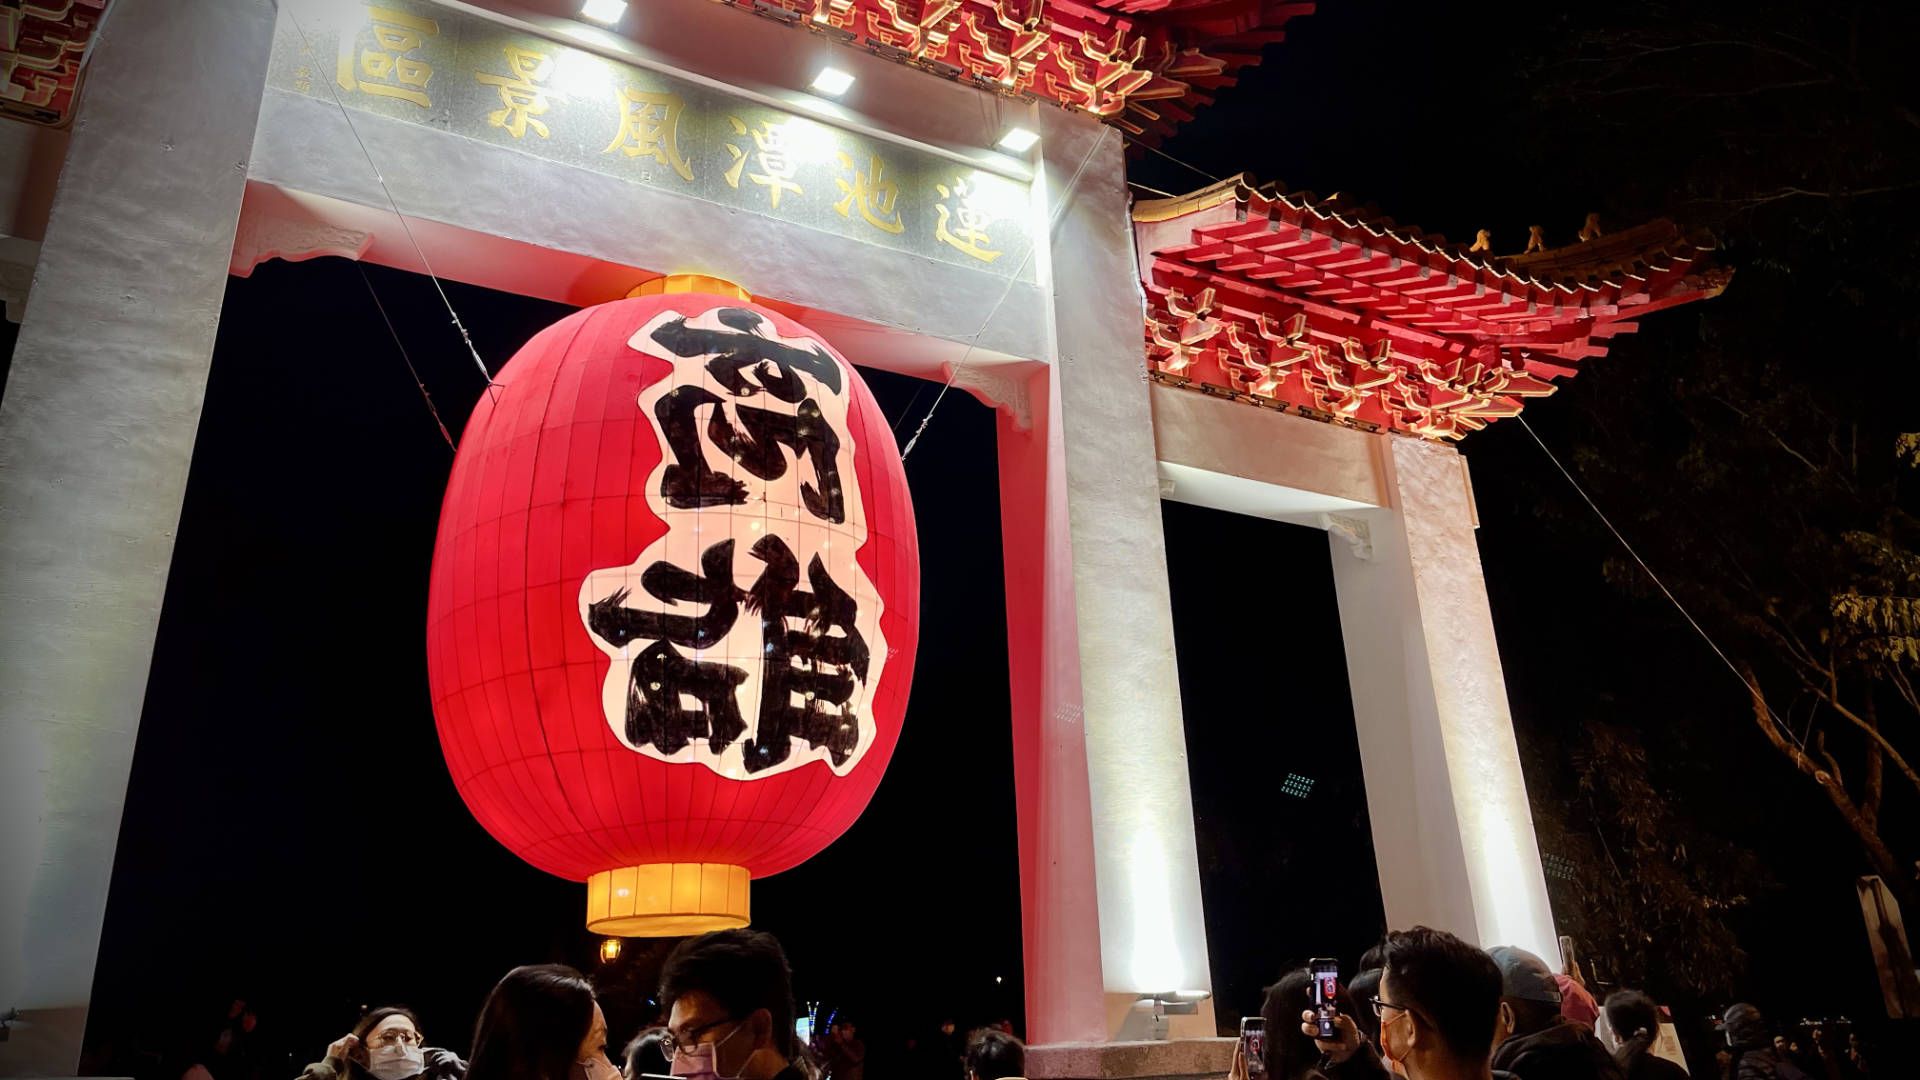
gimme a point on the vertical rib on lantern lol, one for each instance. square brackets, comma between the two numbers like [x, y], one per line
[551, 486]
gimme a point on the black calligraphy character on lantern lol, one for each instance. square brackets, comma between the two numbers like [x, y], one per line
[660, 675]
[809, 674]
[761, 449]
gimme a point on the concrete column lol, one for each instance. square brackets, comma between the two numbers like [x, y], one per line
[96, 430]
[1452, 832]
[1087, 567]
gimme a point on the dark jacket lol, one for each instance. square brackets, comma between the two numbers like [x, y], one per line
[1764, 1063]
[1365, 1064]
[1560, 1051]
[441, 1065]
[1647, 1065]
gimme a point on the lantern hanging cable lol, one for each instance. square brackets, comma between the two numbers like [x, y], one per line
[306, 49]
[405, 359]
[1668, 593]
[1151, 149]
[973, 342]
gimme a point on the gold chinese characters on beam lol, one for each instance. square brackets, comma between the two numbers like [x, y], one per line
[436, 67]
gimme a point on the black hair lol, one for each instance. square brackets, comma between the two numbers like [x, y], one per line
[645, 1054]
[1364, 988]
[374, 1017]
[1375, 958]
[1453, 988]
[1635, 1021]
[744, 970]
[994, 1055]
[532, 1025]
[1290, 1052]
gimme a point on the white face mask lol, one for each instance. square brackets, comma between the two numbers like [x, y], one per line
[702, 1062]
[396, 1062]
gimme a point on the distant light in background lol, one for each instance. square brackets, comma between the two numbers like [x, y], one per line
[1557, 866]
[604, 12]
[610, 950]
[997, 980]
[1018, 140]
[832, 82]
[1297, 786]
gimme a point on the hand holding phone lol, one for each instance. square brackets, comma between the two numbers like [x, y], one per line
[1325, 990]
[1253, 1046]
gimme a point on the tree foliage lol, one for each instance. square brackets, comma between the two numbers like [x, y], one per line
[1761, 454]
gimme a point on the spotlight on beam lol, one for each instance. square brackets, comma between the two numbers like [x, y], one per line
[604, 12]
[1018, 140]
[831, 82]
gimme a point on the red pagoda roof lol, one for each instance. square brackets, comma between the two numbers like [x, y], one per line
[42, 44]
[1292, 301]
[1143, 65]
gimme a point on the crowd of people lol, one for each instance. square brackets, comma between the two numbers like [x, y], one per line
[1429, 1006]
[1424, 1006]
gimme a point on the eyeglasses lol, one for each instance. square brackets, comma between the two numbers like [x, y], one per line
[398, 1037]
[1380, 1007]
[671, 1044]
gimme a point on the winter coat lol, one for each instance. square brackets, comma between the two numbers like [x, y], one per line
[1560, 1051]
[441, 1065]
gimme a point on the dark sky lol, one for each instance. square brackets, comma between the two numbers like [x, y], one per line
[291, 833]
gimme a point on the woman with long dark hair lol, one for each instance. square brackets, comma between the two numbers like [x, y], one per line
[541, 1022]
[1635, 1021]
[386, 1045]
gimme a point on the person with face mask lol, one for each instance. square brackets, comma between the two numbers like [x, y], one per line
[1543, 1044]
[1438, 1004]
[729, 1002]
[386, 1045]
[540, 1022]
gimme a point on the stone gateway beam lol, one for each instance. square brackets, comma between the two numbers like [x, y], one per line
[1298, 360]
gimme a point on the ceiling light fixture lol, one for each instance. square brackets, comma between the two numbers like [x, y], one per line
[831, 82]
[1018, 140]
[604, 12]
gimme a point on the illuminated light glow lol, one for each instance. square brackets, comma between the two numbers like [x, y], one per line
[579, 74]
[610, 949]
[604, 12]
[832, 82]
[1018, 140]
[1297, 786]
[1156, 965]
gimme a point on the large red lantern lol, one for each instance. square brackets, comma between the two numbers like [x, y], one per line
[674, 605]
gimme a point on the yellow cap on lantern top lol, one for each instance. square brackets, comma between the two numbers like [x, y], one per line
[688, 283]
[668, 899]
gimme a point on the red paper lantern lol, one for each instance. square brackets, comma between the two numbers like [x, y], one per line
[674, 605]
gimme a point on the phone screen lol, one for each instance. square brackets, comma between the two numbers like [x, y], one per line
[1325, 989]
[1253, 1045]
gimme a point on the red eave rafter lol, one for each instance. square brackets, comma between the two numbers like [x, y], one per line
[1311, 305]
[1142, 65]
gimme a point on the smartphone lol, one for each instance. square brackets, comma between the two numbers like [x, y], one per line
[1253, 1045]
[1326, 985]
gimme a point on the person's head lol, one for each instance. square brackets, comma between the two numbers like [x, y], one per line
[1745, 1027]
[391, 1045]
[993, 1054]
[1439, 998]
[947, 1026]
[1364, 988]
[540, 1022]
[1528, 988]
[844, 1031]
[1375, 958]
[1290, 1053]
[729, 1002]
[645, 1054]
[1634, 1019]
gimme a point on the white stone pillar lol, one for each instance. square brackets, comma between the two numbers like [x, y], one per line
[1452, 832]
[96, 430]
[1111, 692]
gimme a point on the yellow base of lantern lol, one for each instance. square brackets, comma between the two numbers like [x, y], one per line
[688, 283]
[667, 899]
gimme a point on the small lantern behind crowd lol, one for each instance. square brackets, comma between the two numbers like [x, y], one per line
[673, 607]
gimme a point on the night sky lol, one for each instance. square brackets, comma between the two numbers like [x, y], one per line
[291, 833]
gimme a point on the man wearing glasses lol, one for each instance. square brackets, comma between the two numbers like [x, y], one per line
[729, 997]
[1438, 1005]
